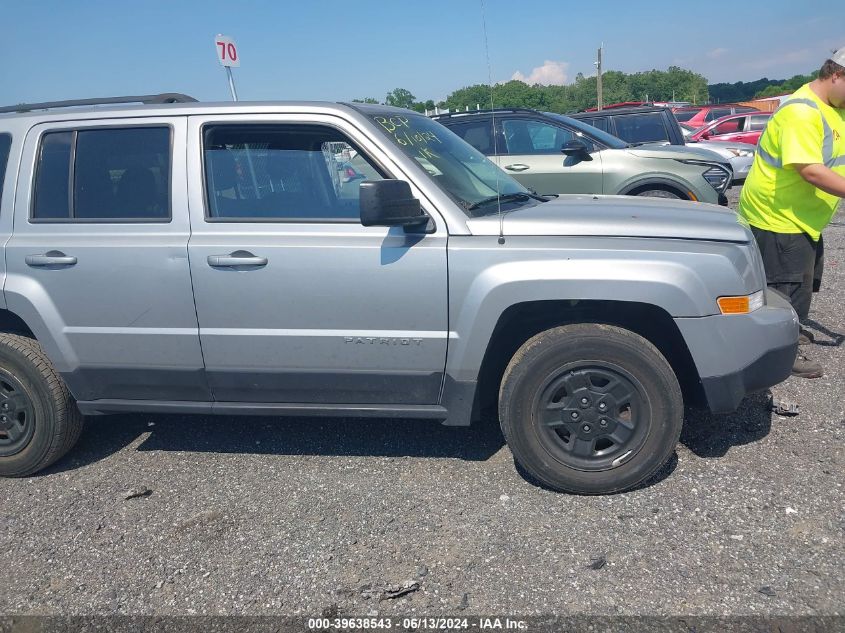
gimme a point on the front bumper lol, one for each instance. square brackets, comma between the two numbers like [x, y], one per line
[741, 166]
[739, 354]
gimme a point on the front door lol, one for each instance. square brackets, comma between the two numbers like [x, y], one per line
[297, 301]
[533, 156]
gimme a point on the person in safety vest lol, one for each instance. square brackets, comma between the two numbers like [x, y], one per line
[794, 187]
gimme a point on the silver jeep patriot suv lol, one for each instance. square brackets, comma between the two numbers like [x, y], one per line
[354, 260]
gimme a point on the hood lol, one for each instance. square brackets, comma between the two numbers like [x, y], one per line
[677, 152]
[619, 216]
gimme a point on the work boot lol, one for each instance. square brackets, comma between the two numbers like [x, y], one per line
[805, 337]
[806, 368]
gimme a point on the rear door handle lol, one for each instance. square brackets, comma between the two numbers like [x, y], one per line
[238, 258]
[51, 258]
[517, 167]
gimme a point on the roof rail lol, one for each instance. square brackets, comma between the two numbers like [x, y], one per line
[167, 97]
[447, 115]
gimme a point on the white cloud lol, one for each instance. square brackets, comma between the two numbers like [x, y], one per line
[549, 74]
[776, 60]
[716, 53]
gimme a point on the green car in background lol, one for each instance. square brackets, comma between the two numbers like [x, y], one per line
[555, 154]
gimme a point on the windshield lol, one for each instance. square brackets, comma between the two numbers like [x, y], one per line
[584, 129]
[460, 170]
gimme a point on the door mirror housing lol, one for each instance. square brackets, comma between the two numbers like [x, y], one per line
[575, 147]
[390, 203]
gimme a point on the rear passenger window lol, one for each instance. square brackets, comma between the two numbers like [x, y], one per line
[599, 122]
[113, 175]
[266, 173]
[5, 144]
[641, 128]
[759, 122]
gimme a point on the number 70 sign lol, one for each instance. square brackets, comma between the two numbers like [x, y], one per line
[227, 51]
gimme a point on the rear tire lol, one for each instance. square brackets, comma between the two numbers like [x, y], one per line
[590, 408]
[39, 420]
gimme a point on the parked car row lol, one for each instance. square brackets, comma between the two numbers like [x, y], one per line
[556, 154]
[653, 124]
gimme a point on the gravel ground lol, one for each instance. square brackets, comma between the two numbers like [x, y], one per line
[280, 516]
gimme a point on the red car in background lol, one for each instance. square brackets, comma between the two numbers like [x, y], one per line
[734, 128]
[698, 116]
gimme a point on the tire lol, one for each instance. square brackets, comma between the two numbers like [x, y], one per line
[624, 432]
[660, 193]
[39, 420]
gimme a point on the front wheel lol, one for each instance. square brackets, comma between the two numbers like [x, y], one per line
[659, 193]
[590, 408]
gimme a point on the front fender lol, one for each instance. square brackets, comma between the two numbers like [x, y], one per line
[660, 273]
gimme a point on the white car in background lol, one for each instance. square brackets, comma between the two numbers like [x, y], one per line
[740, 155]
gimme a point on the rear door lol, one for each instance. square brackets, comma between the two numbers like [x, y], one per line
[98, 262]
[532, 154]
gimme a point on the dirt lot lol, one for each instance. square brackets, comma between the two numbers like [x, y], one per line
[283, 516]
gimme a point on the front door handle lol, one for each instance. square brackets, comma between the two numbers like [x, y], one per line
[51, 258]
[238, 258]
[517, 167]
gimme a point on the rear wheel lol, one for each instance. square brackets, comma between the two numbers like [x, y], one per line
[590, 408]
[39, 420]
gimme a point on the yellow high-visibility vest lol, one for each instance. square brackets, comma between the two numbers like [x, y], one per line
[775, 197]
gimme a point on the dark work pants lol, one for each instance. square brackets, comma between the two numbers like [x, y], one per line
[794, 263]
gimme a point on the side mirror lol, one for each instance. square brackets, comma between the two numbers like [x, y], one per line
[575, 147]
[390, 203]
[705, 135]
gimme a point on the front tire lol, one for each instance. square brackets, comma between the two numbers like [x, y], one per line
[660, 193]
[39, 420]
[590, 408]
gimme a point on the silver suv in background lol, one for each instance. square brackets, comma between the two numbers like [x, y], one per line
[213, 258]
[554, 154]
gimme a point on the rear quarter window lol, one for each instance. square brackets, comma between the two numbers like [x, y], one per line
[597, 122]
[5, 144]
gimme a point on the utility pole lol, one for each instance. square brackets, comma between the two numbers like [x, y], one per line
[598, 78]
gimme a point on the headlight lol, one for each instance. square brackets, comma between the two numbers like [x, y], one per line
[740, 152]
[741, 305]
[719, 176]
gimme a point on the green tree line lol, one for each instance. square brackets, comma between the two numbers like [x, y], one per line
[765, 87]
[675, 83]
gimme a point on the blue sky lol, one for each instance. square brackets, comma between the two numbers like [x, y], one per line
[340, 50]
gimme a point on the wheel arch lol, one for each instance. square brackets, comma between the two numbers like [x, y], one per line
[522, 321]
[662, 184]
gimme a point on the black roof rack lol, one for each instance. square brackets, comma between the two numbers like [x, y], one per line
[488, 111]
[167, 97]
[581, 114]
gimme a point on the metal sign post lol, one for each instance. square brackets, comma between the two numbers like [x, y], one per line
[227, 55]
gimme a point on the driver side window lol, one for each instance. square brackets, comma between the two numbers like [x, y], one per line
[523, 136]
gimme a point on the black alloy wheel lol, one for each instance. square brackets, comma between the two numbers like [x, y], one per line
[17, 415]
